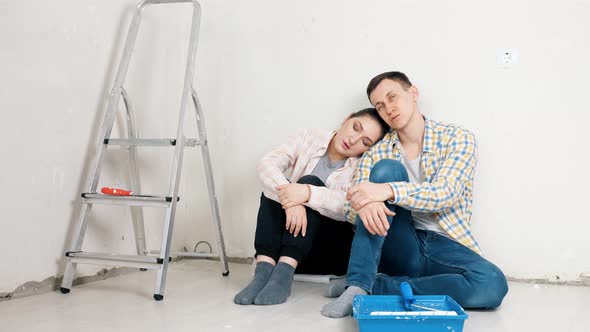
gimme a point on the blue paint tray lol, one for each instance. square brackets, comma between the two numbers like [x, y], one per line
[380, 313]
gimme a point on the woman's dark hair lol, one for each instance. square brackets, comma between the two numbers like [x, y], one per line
[396, 76]
[372, 113]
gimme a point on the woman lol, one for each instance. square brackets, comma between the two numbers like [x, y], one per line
[300, 225]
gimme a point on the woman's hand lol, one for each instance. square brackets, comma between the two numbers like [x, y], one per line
[296, 220]
[293, 194]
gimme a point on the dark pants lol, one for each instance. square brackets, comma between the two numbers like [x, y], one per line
[325, 249]
[431, 263]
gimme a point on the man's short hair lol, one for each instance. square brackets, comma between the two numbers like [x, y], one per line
[396, 76]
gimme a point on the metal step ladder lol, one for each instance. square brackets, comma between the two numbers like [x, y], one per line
[145, 259]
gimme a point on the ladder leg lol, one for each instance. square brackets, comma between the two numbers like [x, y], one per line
[170, 215]
[79, 232]
[165, 254]
[210, 184]
[136, 211]
[106, 129]
[68, 279]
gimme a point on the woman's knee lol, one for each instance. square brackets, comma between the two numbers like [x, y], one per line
[311, 179]
[388, 170]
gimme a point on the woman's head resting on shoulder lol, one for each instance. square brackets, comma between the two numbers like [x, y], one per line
[357, 134]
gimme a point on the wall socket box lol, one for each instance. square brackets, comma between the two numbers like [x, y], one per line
[507, 57]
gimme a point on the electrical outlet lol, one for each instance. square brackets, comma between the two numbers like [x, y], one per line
[507, 57]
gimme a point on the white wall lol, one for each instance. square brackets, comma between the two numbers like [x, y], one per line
[265, 69]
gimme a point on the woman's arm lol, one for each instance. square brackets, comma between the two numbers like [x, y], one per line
[328, 202]
[272, 166]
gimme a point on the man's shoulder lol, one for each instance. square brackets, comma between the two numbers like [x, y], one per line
[383, 144]
[448, 131]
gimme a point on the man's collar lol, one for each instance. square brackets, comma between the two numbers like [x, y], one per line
[428, 144]
[429, 133]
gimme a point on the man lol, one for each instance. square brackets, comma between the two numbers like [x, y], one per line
[413, 199]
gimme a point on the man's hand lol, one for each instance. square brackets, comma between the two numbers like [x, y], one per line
[364, 193]
[293, 194]
[374, 217]
[296, 220]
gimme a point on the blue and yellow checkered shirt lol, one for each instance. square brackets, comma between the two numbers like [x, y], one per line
[448, 161]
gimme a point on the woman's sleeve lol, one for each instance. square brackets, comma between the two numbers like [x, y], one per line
[272, 166]
[328, 202]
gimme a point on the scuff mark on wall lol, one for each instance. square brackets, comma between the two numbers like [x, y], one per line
[583, 280]
[52, 283]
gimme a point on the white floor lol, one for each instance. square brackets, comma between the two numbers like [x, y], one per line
[198, 298]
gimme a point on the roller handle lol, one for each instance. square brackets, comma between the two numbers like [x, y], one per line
[407, 295]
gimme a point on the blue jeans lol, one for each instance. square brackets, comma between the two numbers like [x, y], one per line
[431, 263]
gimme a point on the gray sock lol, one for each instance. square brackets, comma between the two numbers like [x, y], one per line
[278, 287]
[342, 306]
[336, 287]
[261, 275]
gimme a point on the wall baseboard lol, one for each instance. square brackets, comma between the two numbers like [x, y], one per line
[50, 284]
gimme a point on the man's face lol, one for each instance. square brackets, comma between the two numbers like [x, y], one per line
[395, 104]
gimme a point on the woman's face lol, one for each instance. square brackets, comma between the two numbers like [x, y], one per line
[356, 135]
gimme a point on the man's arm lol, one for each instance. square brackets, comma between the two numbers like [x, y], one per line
[451, 179]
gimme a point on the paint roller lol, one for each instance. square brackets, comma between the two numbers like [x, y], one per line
[408, 301]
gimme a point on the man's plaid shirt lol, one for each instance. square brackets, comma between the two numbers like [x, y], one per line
[448, 161]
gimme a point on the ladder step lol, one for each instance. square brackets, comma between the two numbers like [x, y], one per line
[133, 200]
[147, 262]
[149, 141]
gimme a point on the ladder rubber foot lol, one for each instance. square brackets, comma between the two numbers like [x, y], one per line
[158, 297]
[64, 290]
[225, 274]
[142, 269]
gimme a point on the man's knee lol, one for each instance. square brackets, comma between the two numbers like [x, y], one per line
[489, 290]
[388, 170]
[311, 179]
